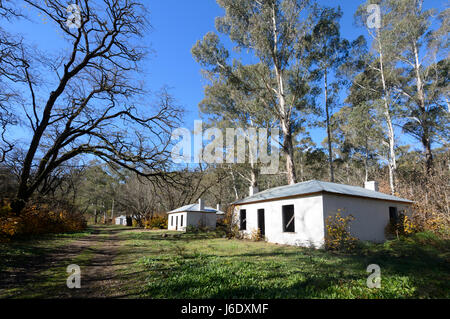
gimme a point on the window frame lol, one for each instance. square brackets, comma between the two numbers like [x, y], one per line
[243, 221]
[287, 224]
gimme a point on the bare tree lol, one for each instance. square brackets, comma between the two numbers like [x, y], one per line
[139, 197]
[94, 106]
[10, 63]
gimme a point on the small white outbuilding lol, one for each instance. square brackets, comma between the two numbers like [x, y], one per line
[296, 214]
[195, 215]
[121, 220]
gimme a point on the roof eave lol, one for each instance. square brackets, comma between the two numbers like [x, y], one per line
[400, 200]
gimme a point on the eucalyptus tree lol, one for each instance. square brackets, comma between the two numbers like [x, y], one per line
[420, 52]
[90, 100]
[379, 77]
[327, 52]
[272, 32]
[228, 106]
[357, 126]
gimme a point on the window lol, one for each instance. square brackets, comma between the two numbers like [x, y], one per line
[171, 220]
[243, 219]
[181, 222]
[288, 218]
[393, 215]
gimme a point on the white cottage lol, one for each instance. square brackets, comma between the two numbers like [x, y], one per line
[296, 214]
[194, 215]
[121, 220]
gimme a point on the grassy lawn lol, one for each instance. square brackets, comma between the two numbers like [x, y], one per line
[204, 266]
[121, 262]
[28, 270]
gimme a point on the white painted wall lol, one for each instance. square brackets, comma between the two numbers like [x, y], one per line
[309, 222]
[191, 219]
[172, 221]
[206, 219]
[371, 215]
[311, 212]
[121, 220]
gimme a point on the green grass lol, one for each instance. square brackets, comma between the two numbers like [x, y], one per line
[202, 266]
[205, 265]
[26, 260]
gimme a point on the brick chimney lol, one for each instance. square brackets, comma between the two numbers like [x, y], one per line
[372, 185]
[201, 204]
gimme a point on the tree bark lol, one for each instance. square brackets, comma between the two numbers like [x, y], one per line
[284, 110]
[366, 161]
[330, 151]
[391, 136]
[289, 152]
[426, 141]
[233, 177]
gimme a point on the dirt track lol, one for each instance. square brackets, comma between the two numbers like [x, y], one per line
[44, 275]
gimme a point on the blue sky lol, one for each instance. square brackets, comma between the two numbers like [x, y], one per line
[187, 22]
[176, 26]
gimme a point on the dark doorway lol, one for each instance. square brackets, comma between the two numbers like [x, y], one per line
[129, 221]
[261, 222]
[176, 223]
[393, 215]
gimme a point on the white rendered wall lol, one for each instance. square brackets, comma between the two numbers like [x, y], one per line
[197, 219]
[309, 227]
[191, 219]
[121, 221]
[371, 215]
[173, 227]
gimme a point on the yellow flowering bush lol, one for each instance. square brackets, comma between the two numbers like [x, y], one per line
[338, 235]
[409, 226]
[157, 222]
[403, 227]
[37, 219]
[256, 235]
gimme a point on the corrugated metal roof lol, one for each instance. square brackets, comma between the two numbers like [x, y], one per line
[314, 186]
[196, 208]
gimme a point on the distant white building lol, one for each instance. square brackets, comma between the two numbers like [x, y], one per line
[195, 215]
[296, 214]
[121, 220]
[220, 214]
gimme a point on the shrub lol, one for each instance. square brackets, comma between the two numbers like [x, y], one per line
[256, 235]
[191, 229]
[36, 220]
[404, 226]
[338, 235]
[430, 211]
[157, 222]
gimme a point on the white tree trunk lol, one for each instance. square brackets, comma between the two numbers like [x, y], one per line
[390, 129]
[284, 110]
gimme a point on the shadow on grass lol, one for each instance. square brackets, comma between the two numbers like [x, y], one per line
[411, 268]
[36, 266]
